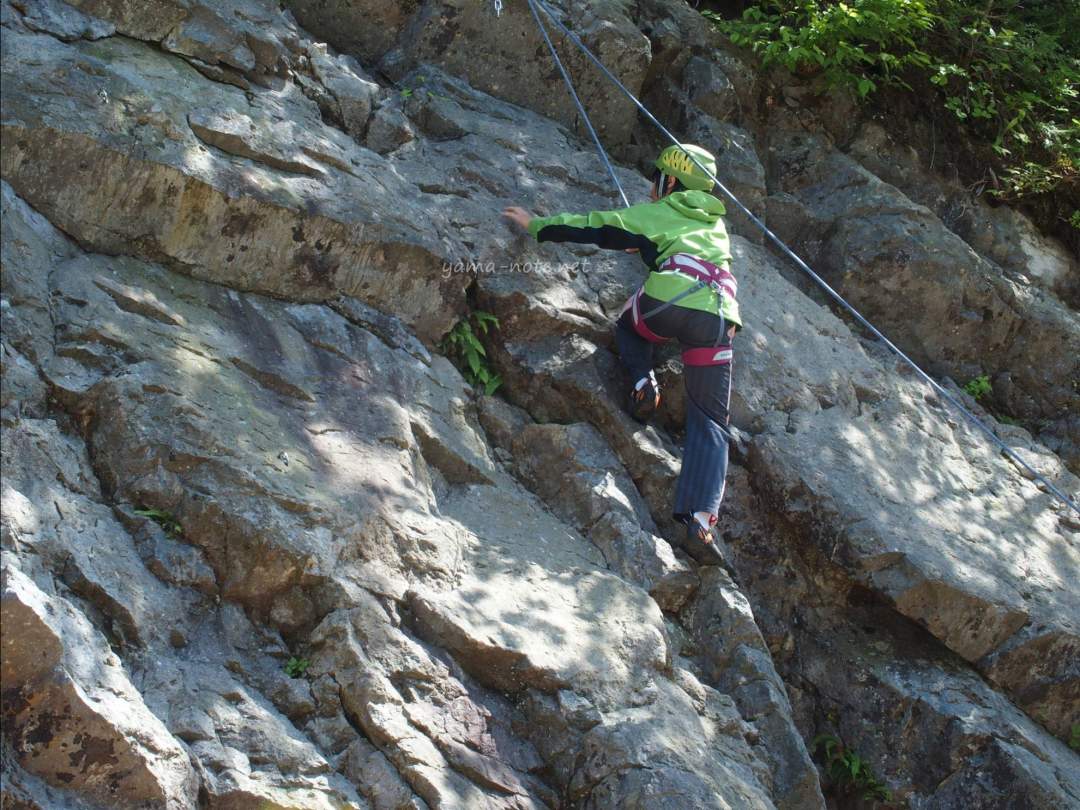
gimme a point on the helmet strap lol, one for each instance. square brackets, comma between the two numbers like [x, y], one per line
[661, 184]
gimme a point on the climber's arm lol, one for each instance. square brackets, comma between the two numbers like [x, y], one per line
[617, 230]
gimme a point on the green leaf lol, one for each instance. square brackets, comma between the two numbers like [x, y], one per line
[473, 360]
[166, 521]
[486, 317]
[296, 667]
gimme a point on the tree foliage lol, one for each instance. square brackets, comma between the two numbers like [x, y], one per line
[1008, 71]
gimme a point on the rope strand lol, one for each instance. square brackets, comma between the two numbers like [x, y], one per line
[577, 101]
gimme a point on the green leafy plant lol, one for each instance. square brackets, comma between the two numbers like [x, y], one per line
[978, 387]
[1005, 71]
[296, 667]
[859, 45]
[1074, 737]
[406, 92]
[1010, 71]
[169, 524]
[848, 772]
[463, 344]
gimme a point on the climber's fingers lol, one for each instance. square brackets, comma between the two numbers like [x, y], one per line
[518, 215]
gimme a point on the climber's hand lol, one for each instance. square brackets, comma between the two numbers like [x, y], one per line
[518, 215]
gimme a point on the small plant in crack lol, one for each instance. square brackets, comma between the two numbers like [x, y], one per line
[1074, 737]
[978, 387]
[847, 772]
[463, 345]
[407, 92]
[169, 524]
[297, 667]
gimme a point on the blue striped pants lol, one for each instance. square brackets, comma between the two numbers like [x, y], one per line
[708, 397]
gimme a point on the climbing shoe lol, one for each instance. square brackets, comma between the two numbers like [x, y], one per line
[700, 543]
[644, 398]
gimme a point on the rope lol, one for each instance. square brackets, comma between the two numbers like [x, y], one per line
[799, 262]
[577, 101]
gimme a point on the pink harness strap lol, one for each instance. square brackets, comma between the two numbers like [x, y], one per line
[707, 356]
[639, 322]
[702, 271]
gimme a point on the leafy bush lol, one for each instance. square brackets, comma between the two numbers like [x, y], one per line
[463, 344]
[978, 387]
[856, 45]
[1005, 70]
[847, 772]
[296, 667]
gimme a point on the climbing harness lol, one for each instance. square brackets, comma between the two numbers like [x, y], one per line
[707, 274]
[936, 386]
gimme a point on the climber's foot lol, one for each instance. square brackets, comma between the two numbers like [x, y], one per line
[644, 398]
[700, 543]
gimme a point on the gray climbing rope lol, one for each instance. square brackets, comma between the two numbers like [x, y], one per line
[577, 101]
[941, 391]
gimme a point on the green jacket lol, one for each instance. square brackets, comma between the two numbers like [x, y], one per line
[682, 222]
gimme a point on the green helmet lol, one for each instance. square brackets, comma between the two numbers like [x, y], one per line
[674, 161]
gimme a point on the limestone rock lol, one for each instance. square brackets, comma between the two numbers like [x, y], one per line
[75, 718]
[451, 35]
[739, 663]
[962, 316]
[709, 89]
[1001, 234]
[574, 471]
[233, 216]
[479, 621]
[628, 764]
[61, 20]
[388, 129]
[353, 91]
[23, 390]
[738, 168]
[253, 38]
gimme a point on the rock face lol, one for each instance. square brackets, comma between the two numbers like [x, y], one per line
[263, 546]
[75, 717]
[956, 312]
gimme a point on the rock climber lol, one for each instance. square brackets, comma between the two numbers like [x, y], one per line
[689, 296]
